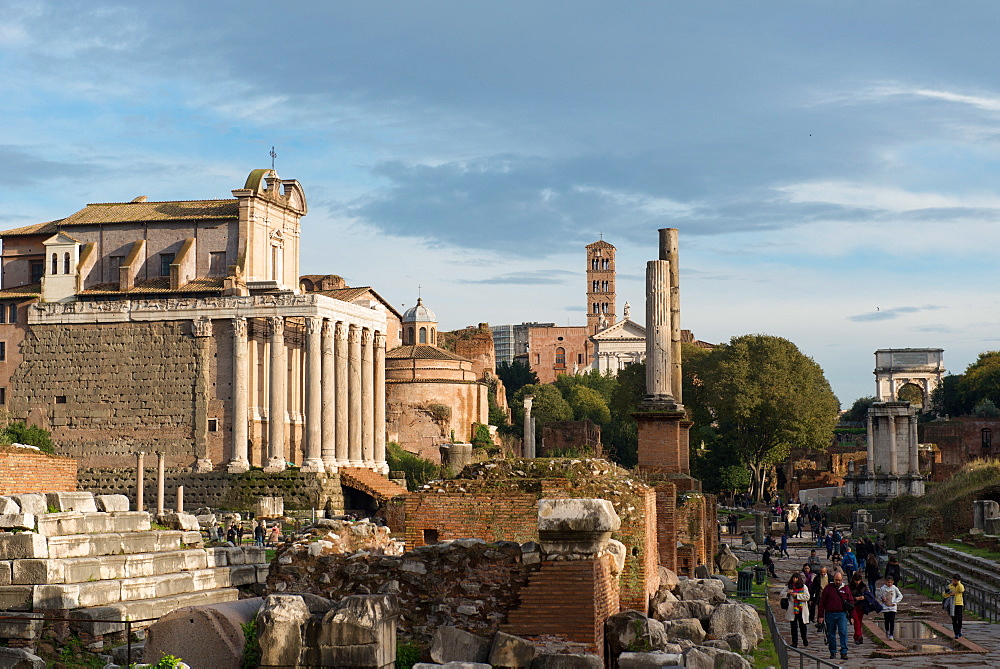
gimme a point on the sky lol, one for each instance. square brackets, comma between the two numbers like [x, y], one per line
[832, 167]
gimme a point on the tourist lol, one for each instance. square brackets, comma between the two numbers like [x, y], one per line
[799, 523]
[231, 534]
[701, 571]
[857, 587]
[819, 581]
[892, 570]
[848, 561]
[889, 596]
[814, 560]
[871, 571]
[834, 602]
[259, 532]
[275, 535]
[239, 534]
[797, 612]
[784, 545]
[956, 591]
[768, 562]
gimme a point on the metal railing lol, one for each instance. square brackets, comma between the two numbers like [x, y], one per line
[978, 601]
[787, 655]
[44, 618]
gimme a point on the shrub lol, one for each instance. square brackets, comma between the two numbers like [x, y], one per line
[19, 433]
[418, 470]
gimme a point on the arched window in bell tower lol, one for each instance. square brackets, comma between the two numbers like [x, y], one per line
[423, 335]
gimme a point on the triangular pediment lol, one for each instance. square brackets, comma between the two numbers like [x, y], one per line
[625, 329]
[60, 238]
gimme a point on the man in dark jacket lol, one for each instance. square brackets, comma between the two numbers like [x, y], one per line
[831, 608]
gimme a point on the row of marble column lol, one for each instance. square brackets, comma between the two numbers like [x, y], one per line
[909, 443]
[344, 396]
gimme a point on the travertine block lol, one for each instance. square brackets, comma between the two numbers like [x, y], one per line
[111, 502]
[153, 608]
[22, 629]
[236, 556]
[107, 567]
[9, 505]
[62, 523]
[38, 572]
[217, 557]
[154, 564]
[6, 572]
[70, 546]
[166, 540]
[212, 579]
[131, 521]
[17, 521]
[33, 503]
[76, 595]
[19, 545]
[15, 597]
[194, 558]
[193, 538]
[242, 575]
[255, 555]
[163, 585]
[71, 501]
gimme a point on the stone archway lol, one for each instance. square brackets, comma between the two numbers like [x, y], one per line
[912, 393]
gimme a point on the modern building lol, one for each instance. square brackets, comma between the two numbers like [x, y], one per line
[512, 340]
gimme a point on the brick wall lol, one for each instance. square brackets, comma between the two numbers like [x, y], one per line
[23, 470]
[666, 518]
[571, 599]
[663, 441]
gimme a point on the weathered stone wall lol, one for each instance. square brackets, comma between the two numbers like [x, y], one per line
[24, 470]
[221, 490]
[561, 436]
[412, 421]
[106, 390]
[476, 344]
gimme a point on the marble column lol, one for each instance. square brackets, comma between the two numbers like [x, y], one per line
[893, 468]
[914, 448]
[669, 251]
[276, 397]
[528, 450]
[314, 399]
[140, 482]
[354, 407]
[380, 461]
[239, 461]
[658, 361]
[367, 397]
[871, 445]
[328, 411]
[340, 414]
[161, 475]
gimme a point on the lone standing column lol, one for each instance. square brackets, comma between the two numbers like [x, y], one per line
[340, 357]
[354, 396]
[871, 444]
[161, 474]
[240, 462]
[314, 401]
[669, 252]
[328, 391]
[914, 448]
[893, 468]
[658, 360]
[140, 483]
[367, 398]
[529, 431]
[276, 398]
[380, 462]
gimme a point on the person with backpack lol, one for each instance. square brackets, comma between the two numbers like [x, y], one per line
[872, 571]
[835, 604]
[858, 589]
[890, 597]
[848, 562]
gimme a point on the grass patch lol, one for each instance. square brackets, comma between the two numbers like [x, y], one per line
[765, 654]
[972, 550]
[269, 554]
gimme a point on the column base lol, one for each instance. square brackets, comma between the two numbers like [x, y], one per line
[238, 466]
[203, 465]
[275, 464]
[313, 465]
[382, 468]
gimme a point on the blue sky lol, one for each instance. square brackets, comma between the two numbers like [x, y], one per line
[832, 167]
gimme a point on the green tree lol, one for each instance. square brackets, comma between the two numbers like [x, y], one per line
[548, 406]
[621, 436]
[515, 375]
[604, 384]
[981, 381]
[418, 470]
[588, 403]
[858, 413]
[946, 399]
[19, 433]
[767, 397]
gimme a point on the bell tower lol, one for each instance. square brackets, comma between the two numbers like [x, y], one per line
[600, 286]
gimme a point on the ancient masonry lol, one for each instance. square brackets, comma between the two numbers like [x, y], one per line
[95, 561]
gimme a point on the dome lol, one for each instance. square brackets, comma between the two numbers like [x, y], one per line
[419, 314]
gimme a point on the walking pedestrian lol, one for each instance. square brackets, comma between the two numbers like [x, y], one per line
[848, 561]
[814, 560]
[956, 591]
[871, 571]
[784, 545]
[769, 562]
[892, 569]
[834, 602]
[829, 545]
[890, 597]
[796, 598]
[259, 532]
[819, 581]
[857, 587]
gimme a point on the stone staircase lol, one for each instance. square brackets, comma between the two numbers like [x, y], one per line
[932, 567]
[370, 482]
[100, 566]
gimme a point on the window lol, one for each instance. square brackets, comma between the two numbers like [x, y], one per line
[423, 335]
[3, 314]
[65, 263]
[433, 337]
[987, 437]
[409, 337]
[3, 395]
[60, 399]
[579, 358]
[3, 351]
[166, 260]
[37, 270]
[597, 308]
[13, 314]
[538, 358]
[217, 263]
[430, 536]
[213, 424]
[55, 263]
[560, 356]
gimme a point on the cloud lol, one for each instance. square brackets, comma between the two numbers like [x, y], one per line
[528, 278]
[868, 196]
[890, 314]
[22, 167]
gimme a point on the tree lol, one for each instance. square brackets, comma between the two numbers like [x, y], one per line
[621, 437]
[548, 405]
[19, 433]
[515, 375]
[858, 413]
[981, 381]
[418, 470]
[587, 403]
[767, 397]
[946, 400]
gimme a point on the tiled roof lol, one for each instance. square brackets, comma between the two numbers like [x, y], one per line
[21, 292]
[371, 483]
[345, 294]
[600, 245]
[423, 352]
[138, 212]
[34, 229]
[157, 285]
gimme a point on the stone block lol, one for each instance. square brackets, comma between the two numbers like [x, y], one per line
[110, 503]
[654, 660]
[236, 556]
[17, 545]
[254, 555]
[359, 632]
[81, 570]
[511, 651]
[141, 565]
[15, 597]
[130, 521]
[709, 589]
[70, 546]
[205, 636]
[211, 579]
[179, 521]
[194, 558]
[161, 585]
[454, 644]
[21, 629]
[19, 658]
[280, 627]
[567, 661]
[217, 557]
[242, 575]
[33, 503]
[6, 572]
[575, 528]
[262, 572]
[64, 523]
[149, 542]
[9, 505]
[684, 628]
[71, 501]
[17, 521]
[452, 665]
[736, 617]
[38, 572]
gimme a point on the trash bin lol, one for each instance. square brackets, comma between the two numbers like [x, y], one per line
[760, 574]
[744, 583]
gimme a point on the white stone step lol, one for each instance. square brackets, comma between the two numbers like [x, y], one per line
[76, 522]
[114, 543]
[91, 620]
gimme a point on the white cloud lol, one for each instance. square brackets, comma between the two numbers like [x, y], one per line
[867, 196]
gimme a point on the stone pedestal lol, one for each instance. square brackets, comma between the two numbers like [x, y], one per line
[759, 527]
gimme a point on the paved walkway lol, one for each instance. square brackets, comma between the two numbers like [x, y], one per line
[979, 647]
